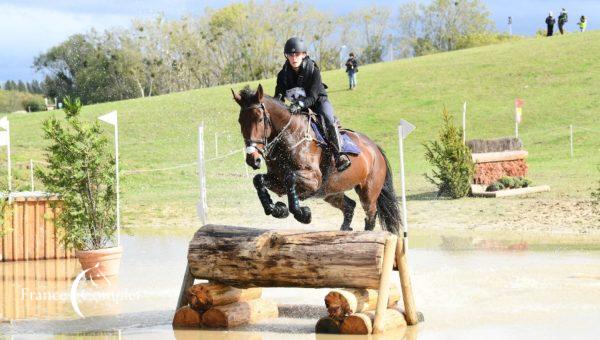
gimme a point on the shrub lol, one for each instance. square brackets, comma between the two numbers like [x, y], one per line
[496, 186]
[526, 183]
[33, 104]
[507, 182]
[451, 159]
[81, 171]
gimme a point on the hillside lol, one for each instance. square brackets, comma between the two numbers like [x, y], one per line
[558, 78]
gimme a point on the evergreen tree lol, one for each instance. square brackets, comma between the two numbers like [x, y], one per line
[21, 87]
[452, 161]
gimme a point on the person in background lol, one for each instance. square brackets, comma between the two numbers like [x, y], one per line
[351, 69]
[582, 23]
[562, 20]
[550, 21]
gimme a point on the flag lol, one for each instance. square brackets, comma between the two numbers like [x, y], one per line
[4, 123]
[110, 118]
[407, 128]
[4, 138]
[518, 110]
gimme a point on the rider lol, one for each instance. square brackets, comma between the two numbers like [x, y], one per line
[300, 82]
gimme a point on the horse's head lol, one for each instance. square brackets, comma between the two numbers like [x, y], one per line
[254, 123]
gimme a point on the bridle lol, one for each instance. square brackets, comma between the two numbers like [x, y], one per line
[252, 144]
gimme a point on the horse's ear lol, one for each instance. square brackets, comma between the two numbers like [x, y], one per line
[237, 97]
[259, 93]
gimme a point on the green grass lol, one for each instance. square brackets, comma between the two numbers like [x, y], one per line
[558, 78]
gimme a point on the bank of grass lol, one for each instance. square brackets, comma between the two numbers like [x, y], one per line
[557, 77]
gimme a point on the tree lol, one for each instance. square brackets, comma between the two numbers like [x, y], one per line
[440, 25]
[80, 169]
[451, 159]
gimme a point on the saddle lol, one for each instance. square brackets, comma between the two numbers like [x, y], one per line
[317, 124]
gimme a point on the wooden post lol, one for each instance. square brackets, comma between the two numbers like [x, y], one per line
[384, 283]
[188, 281]
[407, 295]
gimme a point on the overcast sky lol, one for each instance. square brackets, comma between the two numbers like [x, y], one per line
[31, 27]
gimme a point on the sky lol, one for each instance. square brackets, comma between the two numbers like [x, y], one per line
[30, 27]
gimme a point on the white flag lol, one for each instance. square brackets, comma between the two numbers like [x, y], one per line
[110, 118]
[4, 138]
[407, 128]
[4, 123]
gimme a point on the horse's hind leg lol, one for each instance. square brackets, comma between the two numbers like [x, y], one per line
[346, 205]
[369, 204]
[278, 210]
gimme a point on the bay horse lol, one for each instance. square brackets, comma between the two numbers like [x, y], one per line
[299, 168]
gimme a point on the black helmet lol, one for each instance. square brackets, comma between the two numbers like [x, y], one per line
[294, 45]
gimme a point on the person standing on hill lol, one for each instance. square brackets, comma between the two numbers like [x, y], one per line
[550, 21]
[562, 20]
[582, 23]
[351, 69]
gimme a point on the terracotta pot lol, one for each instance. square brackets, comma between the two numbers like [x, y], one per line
[100, 261]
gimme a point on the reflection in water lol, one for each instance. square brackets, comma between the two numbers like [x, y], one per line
[42, 289]
[36, 289]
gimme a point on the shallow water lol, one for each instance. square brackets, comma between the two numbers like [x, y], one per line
[472, 293]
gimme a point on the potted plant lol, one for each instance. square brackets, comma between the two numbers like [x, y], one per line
[81, 171]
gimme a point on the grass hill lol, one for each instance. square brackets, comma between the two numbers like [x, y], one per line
[558, 78]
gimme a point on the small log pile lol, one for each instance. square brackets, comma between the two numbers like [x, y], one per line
[496, 158]
[215, 305]
[352, 311]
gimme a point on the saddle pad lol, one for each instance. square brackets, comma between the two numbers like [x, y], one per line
[348, 146]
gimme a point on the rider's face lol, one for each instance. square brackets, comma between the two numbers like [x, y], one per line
[295, 59]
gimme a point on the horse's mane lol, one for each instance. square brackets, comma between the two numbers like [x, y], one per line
[249, 95]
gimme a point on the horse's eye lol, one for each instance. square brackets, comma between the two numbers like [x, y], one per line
[260, 120]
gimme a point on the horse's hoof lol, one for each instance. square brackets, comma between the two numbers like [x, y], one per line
[303, 215]
[280, 210]
[346, 228]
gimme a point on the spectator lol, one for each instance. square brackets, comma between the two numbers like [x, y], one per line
[562, 20]
[582, 23]
[351, 69]
[550, 21]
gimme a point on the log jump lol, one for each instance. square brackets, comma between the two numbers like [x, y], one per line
[237, 261]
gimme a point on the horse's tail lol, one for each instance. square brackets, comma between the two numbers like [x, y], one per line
[387, 203]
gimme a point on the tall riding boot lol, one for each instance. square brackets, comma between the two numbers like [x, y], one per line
[342, 162]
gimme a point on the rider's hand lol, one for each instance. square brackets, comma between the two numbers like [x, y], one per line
[296, 107]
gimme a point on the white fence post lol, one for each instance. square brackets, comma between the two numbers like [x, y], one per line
[202, 206]
[571, 138]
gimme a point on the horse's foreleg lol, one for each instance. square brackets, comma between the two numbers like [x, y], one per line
[346, 205]
[301, 214]
[278, 210]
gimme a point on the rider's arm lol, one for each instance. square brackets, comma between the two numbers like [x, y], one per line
[280, 88]
[312, 89]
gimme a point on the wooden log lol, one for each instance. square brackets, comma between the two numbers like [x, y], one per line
[362, 323]
[187, 317]
[405, 284]
[240, 313]
[327, 325]
[384, 284]
[203, 296]
[499, 156]
[342, 302]
[246, 257]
